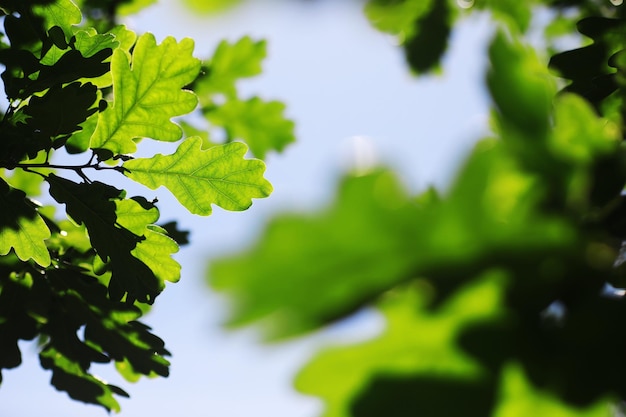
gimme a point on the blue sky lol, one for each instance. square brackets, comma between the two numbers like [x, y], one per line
[345, 85]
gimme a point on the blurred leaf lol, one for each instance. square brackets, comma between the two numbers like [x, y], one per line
[133, 6]
[580, 136]
[230, 62]
[415, 344]
[261, 125]
[516, 14]
[518, 398]
[374, 238]
[589, 68]
[422, 27]
[521, 87]
[309, 270]
[425, 48]
[199, 178]
[147, 95]
[211, 6]
[190, 130]
[397, 17]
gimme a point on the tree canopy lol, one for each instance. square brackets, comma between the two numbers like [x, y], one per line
[502, 294]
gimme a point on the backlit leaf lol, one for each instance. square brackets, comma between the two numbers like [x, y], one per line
[210, 6]
[260, 124]
[134, 6]
[21, 228]
[156, 249]
[580, 136]
[125, 37]
[230, 62]
[62, 13]
[199, 178]
[68, 376]
[94, 205]
[147, 94]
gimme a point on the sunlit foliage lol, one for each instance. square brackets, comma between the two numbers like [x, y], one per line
[78, 275]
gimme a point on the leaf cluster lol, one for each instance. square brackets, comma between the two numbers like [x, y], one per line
[503, 294]
[78, 275]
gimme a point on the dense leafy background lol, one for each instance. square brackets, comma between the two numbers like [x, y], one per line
[498, 292]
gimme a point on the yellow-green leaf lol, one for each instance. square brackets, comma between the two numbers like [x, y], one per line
[260, 124]
[148, 93]
[519, 398]
[156, 249]
[21, 228]
[199, 178]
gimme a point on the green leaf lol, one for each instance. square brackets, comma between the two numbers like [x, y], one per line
[67, 375]
[519, 398]
[309, 270]
[21, 228]
[516, 14]
[191, 130]
[230, 62]
[71, 66]
[16, 320]
[50, 120]
[134, 6]
[375, 237]
[425, 47]
[521, 87]
[26, 181]
[198, 178]
[415, 343]
[210, 6]
[94, 205]
[89, 42]
[580, 136]
[157, 248]
[62, 13]
[125, 37]
[260, 124]
[70, 238]
[148, 94]
[79, 141]
[396, 17]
